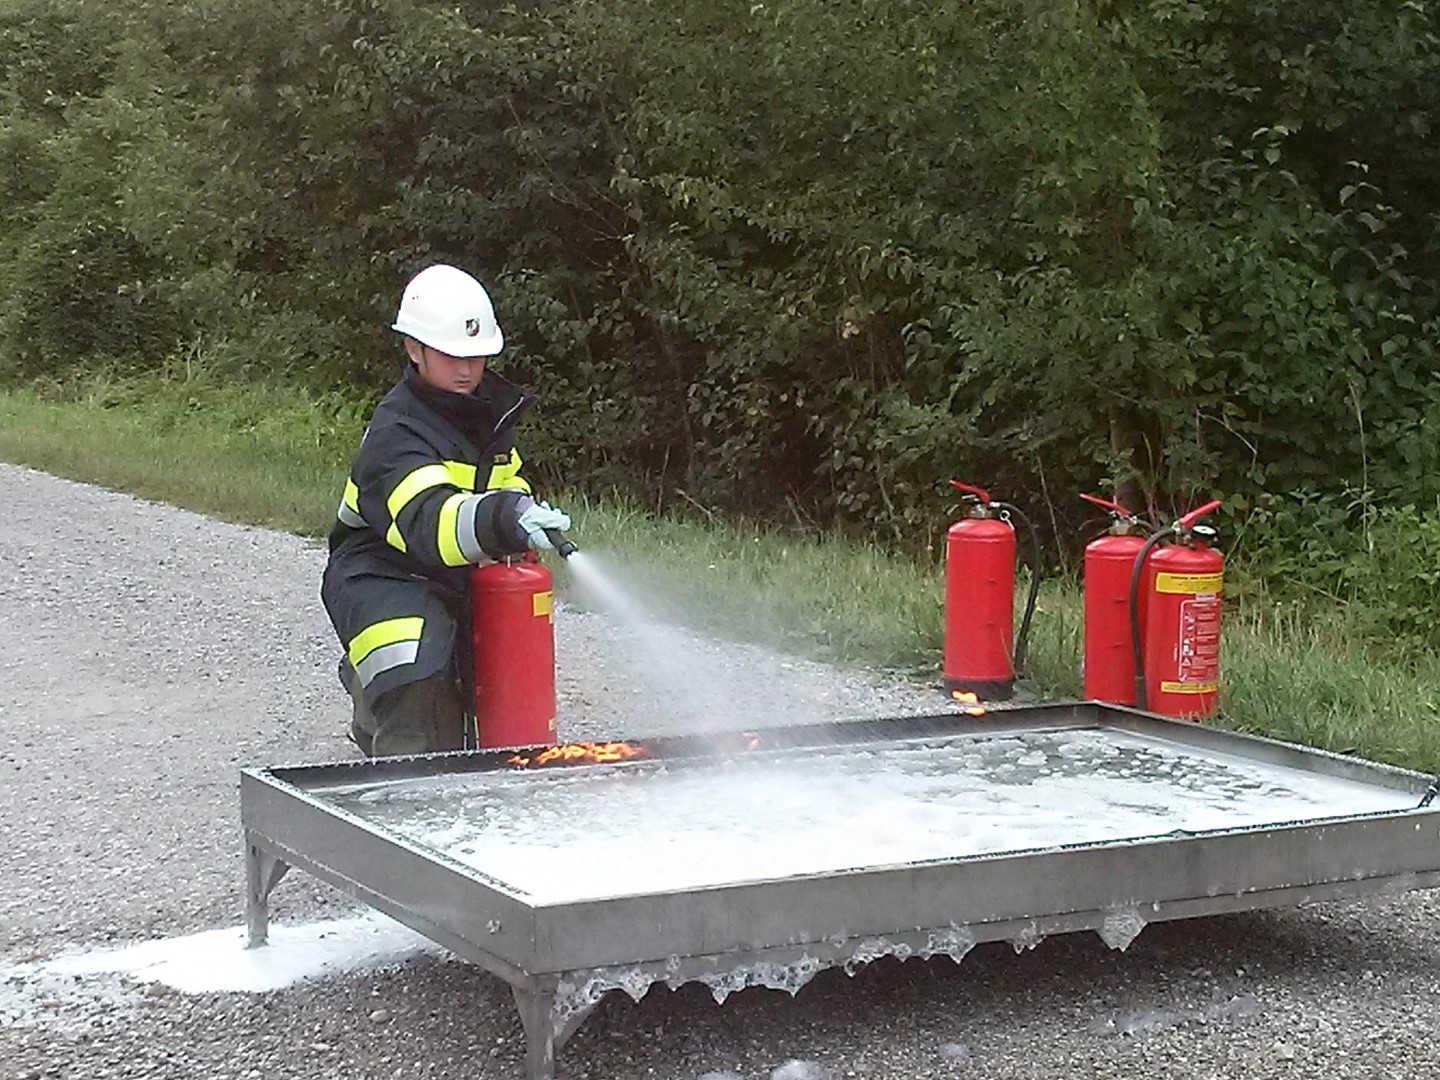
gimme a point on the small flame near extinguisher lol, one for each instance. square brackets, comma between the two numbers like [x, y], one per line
[593, 753]
[969, 702]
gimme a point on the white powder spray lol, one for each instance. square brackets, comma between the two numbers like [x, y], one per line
[63, 992]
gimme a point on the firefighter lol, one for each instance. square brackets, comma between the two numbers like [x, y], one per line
[435, 487]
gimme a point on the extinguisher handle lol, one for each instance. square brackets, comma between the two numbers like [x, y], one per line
[1113, 507]
[970, 489]
[1195, 515]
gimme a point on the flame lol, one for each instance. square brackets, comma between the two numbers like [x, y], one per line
[598, 753]
[969, 702]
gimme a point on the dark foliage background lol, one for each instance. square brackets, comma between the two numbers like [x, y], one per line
[789, 259]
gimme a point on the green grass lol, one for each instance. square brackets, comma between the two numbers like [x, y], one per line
[1297, 675]
[812, 595]
[246, 453]
[274, 456]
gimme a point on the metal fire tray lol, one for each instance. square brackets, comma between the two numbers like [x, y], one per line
[759, 859]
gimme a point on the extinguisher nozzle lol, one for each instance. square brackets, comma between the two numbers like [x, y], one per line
[564, 546]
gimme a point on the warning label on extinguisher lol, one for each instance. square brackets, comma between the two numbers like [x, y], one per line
[1198, 655]
[1189, 583]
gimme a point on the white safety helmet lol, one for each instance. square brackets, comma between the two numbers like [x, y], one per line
[447, 309]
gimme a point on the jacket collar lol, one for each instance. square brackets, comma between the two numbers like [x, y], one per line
[480, 416]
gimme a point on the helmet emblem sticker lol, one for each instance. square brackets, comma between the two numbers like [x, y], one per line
[472, 327]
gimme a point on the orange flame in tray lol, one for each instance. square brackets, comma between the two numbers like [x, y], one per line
[969, 703]
[597, 753]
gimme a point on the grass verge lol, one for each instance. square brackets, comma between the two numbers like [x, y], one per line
[260, 455]
[273, 456]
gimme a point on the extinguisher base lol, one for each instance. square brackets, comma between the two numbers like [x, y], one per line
[983, 689]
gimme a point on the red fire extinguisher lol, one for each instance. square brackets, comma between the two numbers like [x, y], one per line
[1109, 561]
[512, 652]
[980, 598]
[1175, 592]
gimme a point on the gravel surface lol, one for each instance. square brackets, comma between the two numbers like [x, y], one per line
[148, 654]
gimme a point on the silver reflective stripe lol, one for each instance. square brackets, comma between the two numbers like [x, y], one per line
[385, 658]
[507, 414]
[465, 534]
[349, 517]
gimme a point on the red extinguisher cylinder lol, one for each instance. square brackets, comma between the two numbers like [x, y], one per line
[1109, 653]
[1181, 586]
[980, 608]
[512, 644]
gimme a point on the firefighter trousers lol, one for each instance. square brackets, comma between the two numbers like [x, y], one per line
[423, 717]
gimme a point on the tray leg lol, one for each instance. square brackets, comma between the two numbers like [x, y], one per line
[263, 872]
[537, 1016]
[543, 1035]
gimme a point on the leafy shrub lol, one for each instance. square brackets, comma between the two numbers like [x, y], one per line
[79, 299]
[1380, 563]
[778, 259]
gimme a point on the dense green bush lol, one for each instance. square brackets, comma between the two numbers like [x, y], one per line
[1380, 564]
[73, 276]
[781, 258]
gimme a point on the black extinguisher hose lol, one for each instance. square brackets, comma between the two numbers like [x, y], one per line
[1137, 649]
[1022, 638]
[564, 546]
[1430, 792]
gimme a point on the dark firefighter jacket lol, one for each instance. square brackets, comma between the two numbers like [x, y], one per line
[418, 509]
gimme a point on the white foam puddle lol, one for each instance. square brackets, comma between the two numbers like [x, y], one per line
[586, 833]
[68, 990]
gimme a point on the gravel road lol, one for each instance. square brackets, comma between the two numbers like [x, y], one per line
[148, 654]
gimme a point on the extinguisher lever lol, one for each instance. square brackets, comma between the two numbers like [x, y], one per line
[1195, 515]
[1105, 504]
[970, 489]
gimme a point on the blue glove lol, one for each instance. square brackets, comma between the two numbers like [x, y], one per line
[535, 519]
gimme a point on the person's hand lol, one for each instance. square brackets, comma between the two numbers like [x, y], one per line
[535, 519]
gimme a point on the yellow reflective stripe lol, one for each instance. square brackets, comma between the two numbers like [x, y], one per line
[462, 475]
[507, 475]
[449, 535]
[421, 479]
[377, 635]
[349, 509]
[437, 473]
